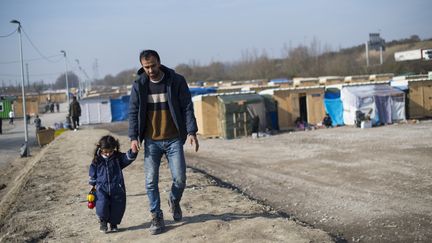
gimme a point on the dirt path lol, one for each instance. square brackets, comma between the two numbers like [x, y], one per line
[372, 185]
[47, 203]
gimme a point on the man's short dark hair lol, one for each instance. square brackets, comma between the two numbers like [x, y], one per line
[146, 54]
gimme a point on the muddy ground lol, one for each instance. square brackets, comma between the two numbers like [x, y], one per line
[371, 185]
[46, 202]
[366, 185]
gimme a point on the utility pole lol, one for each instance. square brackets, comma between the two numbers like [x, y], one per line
[367, 54]
[26, 150]
[67, 81]
[381, 55]
[87, 78]
[28, 77]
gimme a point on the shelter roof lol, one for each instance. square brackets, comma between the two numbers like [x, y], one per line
[373, 90]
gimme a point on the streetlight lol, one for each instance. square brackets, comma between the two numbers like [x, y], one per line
[25, 150]
[67, 81]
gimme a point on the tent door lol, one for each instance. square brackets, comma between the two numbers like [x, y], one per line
[239, 120]
[303, 107]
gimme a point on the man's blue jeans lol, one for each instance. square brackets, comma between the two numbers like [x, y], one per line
[173, 150]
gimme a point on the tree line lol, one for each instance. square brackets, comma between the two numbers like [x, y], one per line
[302, 61]
[311, 60]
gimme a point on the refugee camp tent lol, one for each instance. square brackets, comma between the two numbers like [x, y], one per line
[95, 111]
[120, 108]
[399, 83]
[333, 106]
[385, 104]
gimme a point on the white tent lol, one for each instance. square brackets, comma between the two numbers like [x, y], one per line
[386, 103]
[95, 111]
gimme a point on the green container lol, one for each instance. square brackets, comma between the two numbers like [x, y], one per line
[5, 108]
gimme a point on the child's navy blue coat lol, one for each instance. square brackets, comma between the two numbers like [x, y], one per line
[107, 176]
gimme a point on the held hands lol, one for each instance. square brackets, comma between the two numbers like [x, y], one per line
[135, 146]
[193, 140]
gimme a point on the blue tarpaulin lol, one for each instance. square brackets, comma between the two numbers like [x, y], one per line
[333, 106]
[120, 108]
[202, 90]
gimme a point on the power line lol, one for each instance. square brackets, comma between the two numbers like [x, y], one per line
[4, 36]
[37, 50]
[30, 60]
[31, 75]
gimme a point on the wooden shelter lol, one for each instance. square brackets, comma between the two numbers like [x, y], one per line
[226, 115]
[258, 89]
[305, 82]
[32, 106]
[381, 77]
[306, 103]
[330, 80]
[230, 89]
[357, 79]
[206, 109]
[419, 98]
[53, 96]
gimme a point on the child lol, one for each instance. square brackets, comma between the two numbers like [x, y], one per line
[38, 123]
[106, 175]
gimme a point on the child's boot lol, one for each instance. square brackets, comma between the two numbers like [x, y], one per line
[113, 227]
[103, 226]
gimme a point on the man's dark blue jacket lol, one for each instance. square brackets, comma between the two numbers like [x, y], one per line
[179, 103]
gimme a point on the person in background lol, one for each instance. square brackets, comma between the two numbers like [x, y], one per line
[300, 125]
[161, 114]
[11, 117]
[57, 106]
[38, 123]
[75, 112]
[52, 107]
[327, 121]
[28, 118]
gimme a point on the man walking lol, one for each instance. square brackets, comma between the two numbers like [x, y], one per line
[75, 112]
[161, 114]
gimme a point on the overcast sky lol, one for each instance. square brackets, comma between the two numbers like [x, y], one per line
[200, 31]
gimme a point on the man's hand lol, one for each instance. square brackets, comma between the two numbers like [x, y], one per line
[193, 140]
[135, 146]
